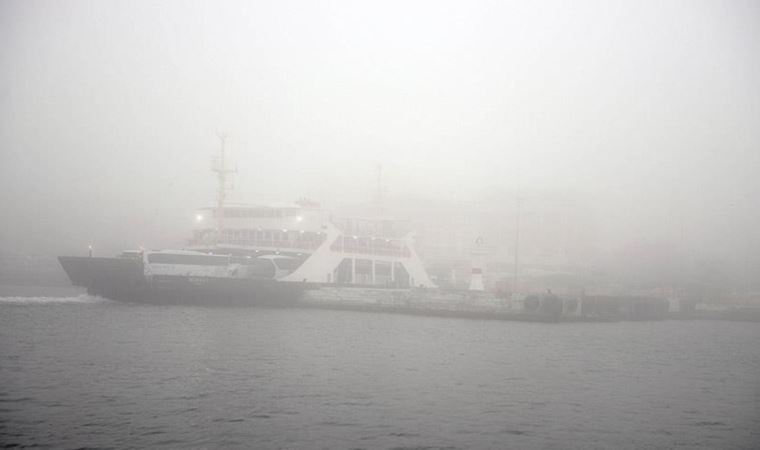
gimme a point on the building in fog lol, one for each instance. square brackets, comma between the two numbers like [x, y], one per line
[552, 234]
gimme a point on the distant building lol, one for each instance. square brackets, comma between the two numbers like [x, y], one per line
[556, 238]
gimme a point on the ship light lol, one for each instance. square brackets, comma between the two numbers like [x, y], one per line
[199, 217]
[299, 218]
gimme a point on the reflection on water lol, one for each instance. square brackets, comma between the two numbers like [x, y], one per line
[79, 371]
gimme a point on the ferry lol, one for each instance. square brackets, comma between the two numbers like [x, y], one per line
[263, 254]
[259, 254]
[300, 254]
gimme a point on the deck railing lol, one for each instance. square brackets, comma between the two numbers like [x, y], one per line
[268, 243]
[377, 247]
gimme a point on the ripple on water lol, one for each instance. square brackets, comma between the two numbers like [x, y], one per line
[135, 377]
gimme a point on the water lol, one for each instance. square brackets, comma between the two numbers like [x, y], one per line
[86, 372]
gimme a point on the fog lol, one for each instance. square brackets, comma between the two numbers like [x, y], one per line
[539, 224]
[646, 112]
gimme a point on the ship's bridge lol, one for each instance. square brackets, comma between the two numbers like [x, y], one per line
[271, 216]
[372, 236]
[299, 225]
[377, 227]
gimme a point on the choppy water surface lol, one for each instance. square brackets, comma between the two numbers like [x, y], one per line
[82, 372]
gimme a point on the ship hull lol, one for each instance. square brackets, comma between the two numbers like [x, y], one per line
[123, 279]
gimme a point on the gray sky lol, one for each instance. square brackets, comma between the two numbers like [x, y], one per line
[108, 110]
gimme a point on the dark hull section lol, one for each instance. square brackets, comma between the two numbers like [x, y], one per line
[122, 279]
[114, 278]
[218, 291]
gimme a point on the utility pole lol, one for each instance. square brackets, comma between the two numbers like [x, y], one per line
[517, 243]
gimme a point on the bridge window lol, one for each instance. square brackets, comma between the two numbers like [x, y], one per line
[192, 260]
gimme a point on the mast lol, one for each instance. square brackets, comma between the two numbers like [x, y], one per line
[222, 172]
[517, 242]
[379, 193]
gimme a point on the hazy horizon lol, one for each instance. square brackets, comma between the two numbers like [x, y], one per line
[647, 112]
[563, 251]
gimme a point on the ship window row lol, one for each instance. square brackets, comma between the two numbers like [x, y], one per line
[370, 246]
[273, 238]
[369, 272]
[307, 239]
[254, 213]
[276, 235]
[192, 260]
[385, 228]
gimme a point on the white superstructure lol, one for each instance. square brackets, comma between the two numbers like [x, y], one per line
[372, 251]
[305, 243]
[190, 263]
